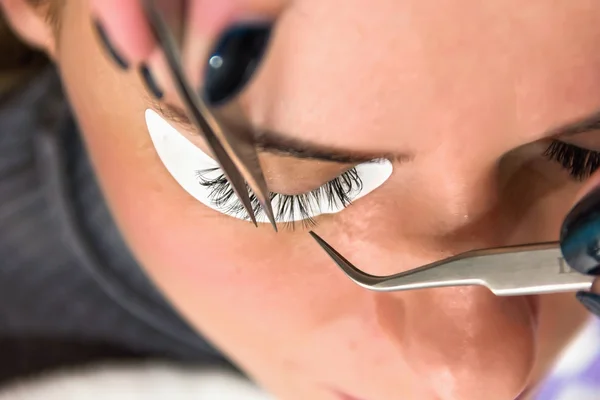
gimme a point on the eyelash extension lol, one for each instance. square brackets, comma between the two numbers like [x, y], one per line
[336, 192]
[581, 163]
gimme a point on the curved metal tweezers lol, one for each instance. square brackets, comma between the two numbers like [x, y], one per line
[234, 147]
[506, 271]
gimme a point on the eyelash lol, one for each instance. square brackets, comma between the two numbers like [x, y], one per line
[581, 163]
[338, 191]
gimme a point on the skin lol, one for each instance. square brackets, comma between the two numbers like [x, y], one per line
[466, 92]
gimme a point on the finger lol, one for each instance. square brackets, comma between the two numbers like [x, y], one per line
[124, 26]
[580, 232]
[591, 301]
[580, 241]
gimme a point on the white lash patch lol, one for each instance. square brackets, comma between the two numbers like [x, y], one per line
[184, 160]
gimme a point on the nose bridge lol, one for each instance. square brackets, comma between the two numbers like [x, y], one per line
[457, 187]
[432, 209]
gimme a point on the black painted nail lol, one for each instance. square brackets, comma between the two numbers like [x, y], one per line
[150, 82]
[233, 61]
[108, 47]
[580, 235]
[591, 301]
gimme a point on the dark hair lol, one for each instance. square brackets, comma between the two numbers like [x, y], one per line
[18, 62]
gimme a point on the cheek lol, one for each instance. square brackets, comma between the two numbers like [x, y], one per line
[249, 277]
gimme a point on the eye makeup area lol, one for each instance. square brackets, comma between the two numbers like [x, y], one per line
[201, 177]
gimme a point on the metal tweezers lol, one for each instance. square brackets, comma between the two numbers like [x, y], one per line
[234, 147]
[506, 271]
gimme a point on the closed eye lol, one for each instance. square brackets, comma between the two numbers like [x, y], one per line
[201, 177]
[579, 162]
[330, 198]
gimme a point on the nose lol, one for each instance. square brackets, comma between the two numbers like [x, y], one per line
[463, 342]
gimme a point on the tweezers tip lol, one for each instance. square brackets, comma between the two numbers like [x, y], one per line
[323, 244]
[266, 205]
[328, 249]
[315, 236]
[250, 213]
[358, 276]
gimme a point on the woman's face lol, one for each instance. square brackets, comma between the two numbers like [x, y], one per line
[464, 99]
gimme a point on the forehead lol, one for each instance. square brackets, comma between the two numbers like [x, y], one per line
[409, 74]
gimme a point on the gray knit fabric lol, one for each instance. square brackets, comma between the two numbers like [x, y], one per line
[65, 272]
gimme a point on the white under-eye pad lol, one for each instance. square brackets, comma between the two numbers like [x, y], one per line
[180, 156]
[184, 160]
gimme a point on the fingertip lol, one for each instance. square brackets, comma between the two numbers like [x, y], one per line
[591, 301]
[126, 26]
[595, 286]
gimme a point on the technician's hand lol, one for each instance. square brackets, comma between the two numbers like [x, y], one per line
[580, 243]
[129, 40]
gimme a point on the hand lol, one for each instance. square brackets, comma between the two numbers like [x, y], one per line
[591, 300]
[128, 35]
[580, 244]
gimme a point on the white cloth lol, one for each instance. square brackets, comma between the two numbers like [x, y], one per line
[149, 381]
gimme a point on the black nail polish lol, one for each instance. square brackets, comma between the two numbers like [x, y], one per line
[591, 301]
[233, 61]
[150, 82]
[580, 235]
[108, 47]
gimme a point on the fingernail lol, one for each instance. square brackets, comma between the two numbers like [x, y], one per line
[580, 235]
[108, 47]
[233, 61]
[591, 301]
[150, 82]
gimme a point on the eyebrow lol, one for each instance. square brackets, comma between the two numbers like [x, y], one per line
[279, 143]
[274, 142]
[582, 125]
